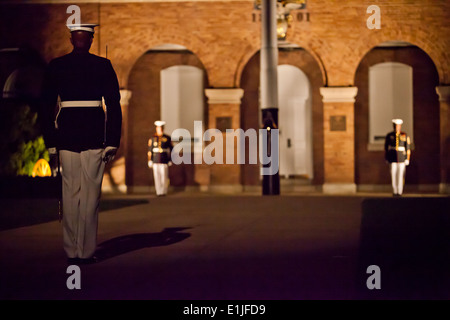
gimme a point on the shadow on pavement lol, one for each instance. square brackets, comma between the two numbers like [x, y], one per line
[124, 244]
[15, 213]
[408, 239]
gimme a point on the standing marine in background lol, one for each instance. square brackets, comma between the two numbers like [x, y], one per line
[159, 158]
[397, 148]
[82, 134]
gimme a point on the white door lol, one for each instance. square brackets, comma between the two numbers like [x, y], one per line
[390, 97]
[294, 122]
[182, 102]
[182, 97]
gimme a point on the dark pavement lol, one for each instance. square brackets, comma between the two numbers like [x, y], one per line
[198, 246]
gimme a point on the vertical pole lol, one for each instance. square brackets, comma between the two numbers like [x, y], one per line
[269, 85]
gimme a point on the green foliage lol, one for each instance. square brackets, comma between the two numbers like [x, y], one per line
[21, 143]
[27, 155]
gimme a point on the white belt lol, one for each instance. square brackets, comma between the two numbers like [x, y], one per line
[398, 149]
[81, 103]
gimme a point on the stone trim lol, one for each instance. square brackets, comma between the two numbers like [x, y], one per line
[125, 96]
[229, 95]
[338, 94]
[339, 188]
[121, 189]
[444, 188]
[407, 189]
[443, 93]
[226, 188]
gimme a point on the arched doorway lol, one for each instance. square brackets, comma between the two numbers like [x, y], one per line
[371, 172]
[21, 74]
[295, 123]
[306, 77]
[163, 82]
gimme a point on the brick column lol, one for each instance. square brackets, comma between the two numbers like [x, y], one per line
[224, 113]
[114, 177]
[444, 102]
[339, 139]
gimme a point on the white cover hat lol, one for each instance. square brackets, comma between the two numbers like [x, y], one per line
[89, 27]
[159, 123]
[397, 121]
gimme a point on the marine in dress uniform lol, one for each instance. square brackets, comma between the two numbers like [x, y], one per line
[397, 153]
[159, 158]
[85, 133]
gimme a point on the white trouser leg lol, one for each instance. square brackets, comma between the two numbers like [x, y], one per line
[91, 190]
[71, 184]
[82, 180]
[165, 173]
[401, 176]
[156, 177]
[161, 176]
[398, 176]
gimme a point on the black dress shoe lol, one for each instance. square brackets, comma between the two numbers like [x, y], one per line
[71, 261]
[90, 260]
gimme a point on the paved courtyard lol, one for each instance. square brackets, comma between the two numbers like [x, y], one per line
[193, 246]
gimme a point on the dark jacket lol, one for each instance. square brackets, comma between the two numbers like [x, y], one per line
[161, 148]
[396, 147]
[74, 77]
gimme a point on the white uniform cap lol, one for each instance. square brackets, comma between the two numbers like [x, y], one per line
[89, 27]
[160, 123]
[397, 121]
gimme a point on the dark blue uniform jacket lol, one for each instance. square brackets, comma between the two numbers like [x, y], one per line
[396, 147]
[81, 76]
[161, 148]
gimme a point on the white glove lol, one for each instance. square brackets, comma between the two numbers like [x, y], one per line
[407, 162]
[53, 159]
[108, 154]
[150, 163]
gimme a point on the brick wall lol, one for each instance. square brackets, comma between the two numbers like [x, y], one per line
[339, 150]
[336, 33]
[225, 174]
[224, 37]
[210, 30]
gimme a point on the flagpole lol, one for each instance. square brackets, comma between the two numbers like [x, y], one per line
[269, 86]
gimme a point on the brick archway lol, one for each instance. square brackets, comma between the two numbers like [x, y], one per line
[249, 81]
[428, 43]
[370, 169]
[153, 40]
[255, 49]
[144, 109]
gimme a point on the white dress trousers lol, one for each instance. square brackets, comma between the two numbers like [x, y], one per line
[82, 175]
[161, 177]
[398, 176]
